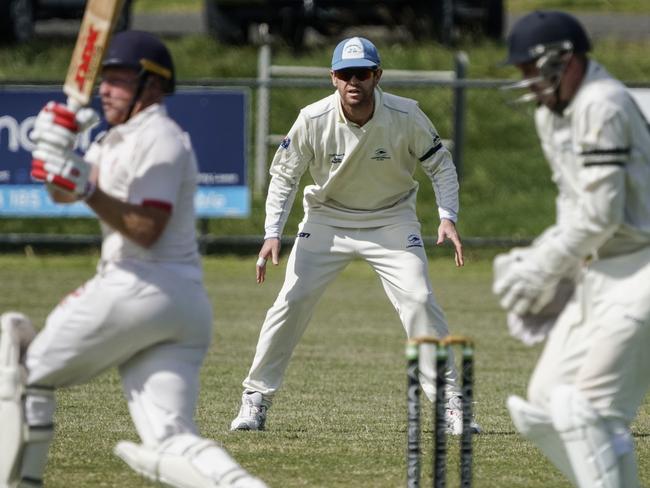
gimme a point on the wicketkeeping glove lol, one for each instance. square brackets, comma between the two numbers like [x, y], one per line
[521, 287]
[525, 280]
[533, 328]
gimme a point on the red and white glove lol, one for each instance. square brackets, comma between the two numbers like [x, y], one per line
[66, 170]
[59, 126]
[53, 160]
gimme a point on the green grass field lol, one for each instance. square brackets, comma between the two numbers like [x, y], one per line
[340, 419]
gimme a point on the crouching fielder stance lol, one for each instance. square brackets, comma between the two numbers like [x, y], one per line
[593, 373]
[362, 147]
[145, 311]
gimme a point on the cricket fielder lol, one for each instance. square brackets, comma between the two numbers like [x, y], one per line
[593, 373]
[145, 311]
[362, 147]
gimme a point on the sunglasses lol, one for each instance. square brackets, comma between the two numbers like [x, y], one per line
[361, 74]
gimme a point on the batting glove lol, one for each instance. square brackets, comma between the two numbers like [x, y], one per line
[55, 133]
[64, 169]
[58, 126]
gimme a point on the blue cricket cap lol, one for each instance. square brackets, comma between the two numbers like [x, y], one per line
[355, 52]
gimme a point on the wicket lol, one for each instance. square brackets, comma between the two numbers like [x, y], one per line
[413, 451]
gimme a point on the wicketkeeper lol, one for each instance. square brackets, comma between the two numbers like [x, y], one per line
[145, 311]
[588, 275]
[361, 147]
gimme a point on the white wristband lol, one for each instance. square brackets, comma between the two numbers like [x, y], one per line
[260, 262]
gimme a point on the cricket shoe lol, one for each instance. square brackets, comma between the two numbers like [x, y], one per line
[252, 413]
[454, 417]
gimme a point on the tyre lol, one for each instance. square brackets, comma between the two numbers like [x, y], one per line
[223, 25]
[16, 20]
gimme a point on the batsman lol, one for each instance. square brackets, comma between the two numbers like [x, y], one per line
[362, 147]
[145, 312]
[593, 373]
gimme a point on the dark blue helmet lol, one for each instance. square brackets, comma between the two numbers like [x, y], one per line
[535, 33]
[143, 52]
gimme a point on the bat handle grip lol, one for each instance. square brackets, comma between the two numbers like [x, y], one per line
[73, 104]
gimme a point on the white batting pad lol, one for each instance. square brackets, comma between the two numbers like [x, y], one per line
[600, 457]
[535, 424]
[187, 461]
[16, 332]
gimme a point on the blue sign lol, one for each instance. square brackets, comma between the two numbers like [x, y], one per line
[214, 118]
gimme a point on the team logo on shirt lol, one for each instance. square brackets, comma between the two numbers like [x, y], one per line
[336, 158]
[413, 240]
[304, 235]
[380, 154]
[285, 143]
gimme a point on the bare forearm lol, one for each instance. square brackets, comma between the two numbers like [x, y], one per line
[59, 196]
[142, 225]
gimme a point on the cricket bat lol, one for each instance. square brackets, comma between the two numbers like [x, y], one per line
[92, 41]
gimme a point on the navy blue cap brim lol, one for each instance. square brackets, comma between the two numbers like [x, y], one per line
[354, 63]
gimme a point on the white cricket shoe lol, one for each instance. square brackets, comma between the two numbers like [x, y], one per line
[252, 413]
[454, 417]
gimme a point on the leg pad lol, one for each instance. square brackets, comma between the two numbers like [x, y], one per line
[535, 424]
[599, 451]
[16, 332]
[187, 461]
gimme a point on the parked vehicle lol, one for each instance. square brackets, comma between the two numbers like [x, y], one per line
[230, 21]
[18, 17]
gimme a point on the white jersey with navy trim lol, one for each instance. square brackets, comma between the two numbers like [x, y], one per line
[360, 207]
[363, 176]
[599, 152]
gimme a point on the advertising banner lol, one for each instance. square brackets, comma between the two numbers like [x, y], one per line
[216, 120]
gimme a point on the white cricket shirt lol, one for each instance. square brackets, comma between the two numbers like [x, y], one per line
[599, 153]
[149, 160]
[363, 176]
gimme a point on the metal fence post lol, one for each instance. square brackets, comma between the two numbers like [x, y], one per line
[262, 122]
[461, 62]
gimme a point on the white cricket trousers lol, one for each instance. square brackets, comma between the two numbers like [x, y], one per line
[320, 253]
[601, 341]
[150, 322]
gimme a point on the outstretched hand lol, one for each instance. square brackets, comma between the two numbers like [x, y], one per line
[447, 230]
[271, 247]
